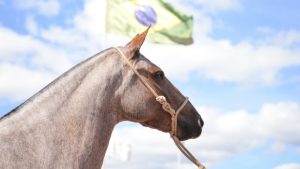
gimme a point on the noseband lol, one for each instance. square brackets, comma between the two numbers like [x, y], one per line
[168, 108]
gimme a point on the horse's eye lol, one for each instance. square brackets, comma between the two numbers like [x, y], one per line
[159, 75]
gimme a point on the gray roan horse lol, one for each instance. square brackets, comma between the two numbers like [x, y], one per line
[68, 124]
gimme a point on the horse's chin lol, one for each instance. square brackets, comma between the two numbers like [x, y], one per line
[182, 136]
[154, 126]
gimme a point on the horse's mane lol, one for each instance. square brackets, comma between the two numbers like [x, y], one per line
[51, 84]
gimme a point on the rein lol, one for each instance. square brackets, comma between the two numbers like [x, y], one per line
[168, 108]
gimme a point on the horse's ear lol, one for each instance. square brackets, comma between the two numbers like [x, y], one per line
[135, 44]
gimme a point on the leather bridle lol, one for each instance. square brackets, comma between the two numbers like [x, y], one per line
[168, 108]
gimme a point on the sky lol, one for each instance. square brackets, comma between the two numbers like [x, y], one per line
[242, 74]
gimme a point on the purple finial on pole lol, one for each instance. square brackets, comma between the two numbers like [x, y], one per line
[145, 15]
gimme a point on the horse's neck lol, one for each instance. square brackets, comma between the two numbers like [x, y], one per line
[74, 111]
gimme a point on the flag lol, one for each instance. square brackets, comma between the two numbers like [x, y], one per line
[168, 25]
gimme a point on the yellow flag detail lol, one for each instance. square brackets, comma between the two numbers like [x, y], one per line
[168, 25]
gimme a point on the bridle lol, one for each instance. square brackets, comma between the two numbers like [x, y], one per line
[168, 108]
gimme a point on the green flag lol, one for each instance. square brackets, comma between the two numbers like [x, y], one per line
[168, 25]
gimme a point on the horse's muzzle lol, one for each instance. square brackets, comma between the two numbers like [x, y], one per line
[188, 128]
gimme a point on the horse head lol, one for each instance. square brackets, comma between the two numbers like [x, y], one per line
[139, 103]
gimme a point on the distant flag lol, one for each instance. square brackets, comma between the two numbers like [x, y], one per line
[168, 25]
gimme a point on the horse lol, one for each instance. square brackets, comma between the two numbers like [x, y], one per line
[68, 124]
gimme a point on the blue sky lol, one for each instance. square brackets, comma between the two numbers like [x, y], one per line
[266, 13]
[242, 73]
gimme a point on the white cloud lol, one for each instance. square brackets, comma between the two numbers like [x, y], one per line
[284, 38]
[277, 148]
[27, 64]
[289, 166]
[20, 82]
[219, 5]
[147, 145]
[37, 53]
[31, 26]
[280, 122]
[87, 32]
[225, 134]
[43, 7]
[92, 19]
[238, 131]
[264, 30]
[71, 40]
[29, 51]
[243, 63]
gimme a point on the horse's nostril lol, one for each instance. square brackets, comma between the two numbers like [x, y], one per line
[200, 122]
